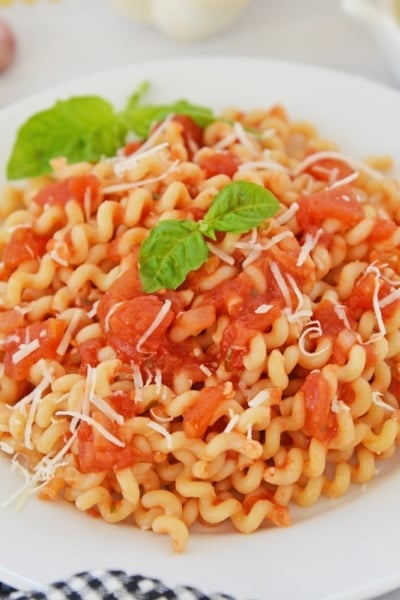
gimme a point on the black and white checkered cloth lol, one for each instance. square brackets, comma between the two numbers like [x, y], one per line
[109, 585]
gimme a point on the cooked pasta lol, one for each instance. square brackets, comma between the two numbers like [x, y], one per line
[270, 376]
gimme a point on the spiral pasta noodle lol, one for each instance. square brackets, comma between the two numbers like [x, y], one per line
[271, 376]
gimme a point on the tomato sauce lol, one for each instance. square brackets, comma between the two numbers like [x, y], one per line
[24, 245]
[71, 188]
[320, 421]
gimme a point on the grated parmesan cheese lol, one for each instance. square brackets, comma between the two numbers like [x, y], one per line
[93, 311]
[90, 421]
[234, 418]
[159, 130]
[25, 350]
[314, 330]
[106, 409]
[377, 399]
[125, 164]
[137, 376]
[159, 318]
[110, 313]
[87, 204]
[352, 162]
[43, 472]
[287, 214]
[205, 370]
[158, 380]
[390, 298]
[65, 341]
[309, 244]
[226, 141]
[244, 137]
[164, 432]
[340, 311]
[58, 259]
[249, 432]
[375, 303]
[35, 399]
[276, 272]
[224, 256]
[271, 165]
[262, 309]
[338, 405]
[129, 185]
[259, 398]
[344, 181]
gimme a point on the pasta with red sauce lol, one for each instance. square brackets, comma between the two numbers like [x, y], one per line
[270, 376]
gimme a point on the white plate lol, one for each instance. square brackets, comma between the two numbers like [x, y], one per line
[336, 550]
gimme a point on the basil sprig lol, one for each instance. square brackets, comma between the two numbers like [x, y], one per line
[87, 128]
[175, 248]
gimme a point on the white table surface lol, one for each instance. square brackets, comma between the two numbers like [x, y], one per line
[64, 39]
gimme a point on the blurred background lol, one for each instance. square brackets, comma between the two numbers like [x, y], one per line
[58, 40]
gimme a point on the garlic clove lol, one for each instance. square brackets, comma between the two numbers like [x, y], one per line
[7, 45]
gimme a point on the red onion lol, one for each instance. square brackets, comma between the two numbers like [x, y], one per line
[7, 45]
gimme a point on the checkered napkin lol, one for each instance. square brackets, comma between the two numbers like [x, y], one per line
[109, 585]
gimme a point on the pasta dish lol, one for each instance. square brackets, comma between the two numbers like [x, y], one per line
[267, 373]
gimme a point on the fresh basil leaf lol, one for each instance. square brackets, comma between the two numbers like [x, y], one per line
[81, 128]
[138, 94]
[139, 119]
[169, 253]
[239, 207]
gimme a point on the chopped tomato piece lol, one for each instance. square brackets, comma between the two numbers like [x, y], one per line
[330, 322]
[10, 320]
[131, 320]
[329, 169]
[383, 229]
[345, 392]
[123, 402]
[23, 245]
[126, 287]
[88, 352]
[235, 344]
[71, 188]
[320, 421]
[362, 294]
[172, 359]
[40, 340]
[98, 453]
[338, 203]
[251, 499]
[220, 163]
[192, 133]
[131, 147]
[197, 417]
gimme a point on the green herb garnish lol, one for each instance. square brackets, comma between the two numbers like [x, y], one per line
[139, 118]
[174, 248]
[88, 128]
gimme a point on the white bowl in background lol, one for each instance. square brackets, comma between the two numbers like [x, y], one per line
[184, 20]
[382, 17]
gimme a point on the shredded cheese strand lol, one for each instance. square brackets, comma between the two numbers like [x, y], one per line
[159, 319]
[160, 429]
[90, 421]
[224, 256]
[352, 162]
[65, 341]
[276, 272]
[129, 185]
